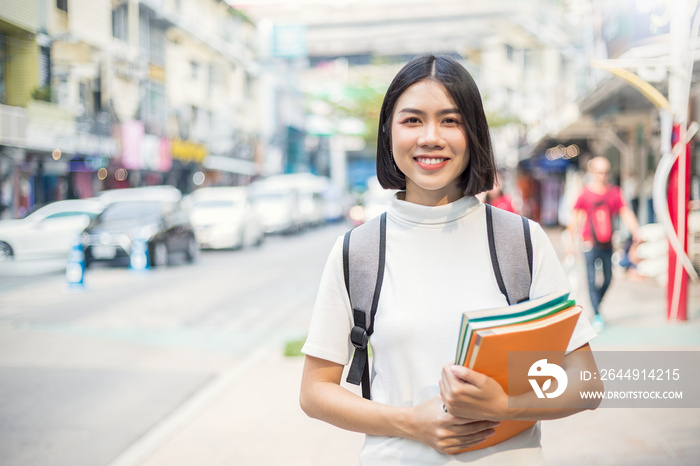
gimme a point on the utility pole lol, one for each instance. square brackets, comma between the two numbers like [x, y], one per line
[678, 190]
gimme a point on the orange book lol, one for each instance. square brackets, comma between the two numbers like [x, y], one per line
[549, 334]
[498, 321]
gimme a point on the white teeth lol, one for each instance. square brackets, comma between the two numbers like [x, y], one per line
[429, 161]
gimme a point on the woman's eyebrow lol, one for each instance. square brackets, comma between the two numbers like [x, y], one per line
[447, 111]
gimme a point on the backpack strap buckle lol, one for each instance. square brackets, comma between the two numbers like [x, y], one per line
[359, 337]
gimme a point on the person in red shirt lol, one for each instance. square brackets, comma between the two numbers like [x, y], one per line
[497, 198]
[592, 220]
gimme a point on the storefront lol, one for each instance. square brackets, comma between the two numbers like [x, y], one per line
[141, 159]
[542, 179]
[13, 137]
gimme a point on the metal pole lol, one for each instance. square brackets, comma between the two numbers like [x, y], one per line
[679, 179]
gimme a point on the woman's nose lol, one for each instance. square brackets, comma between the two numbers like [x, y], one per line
[430, 136]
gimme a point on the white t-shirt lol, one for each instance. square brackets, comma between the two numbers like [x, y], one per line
[437, 267]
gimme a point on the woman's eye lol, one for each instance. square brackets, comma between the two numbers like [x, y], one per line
[411, 120]
[452, 121]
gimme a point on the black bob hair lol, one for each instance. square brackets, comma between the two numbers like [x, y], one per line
[481, 171]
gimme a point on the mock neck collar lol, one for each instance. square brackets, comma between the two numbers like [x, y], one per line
[416, 213]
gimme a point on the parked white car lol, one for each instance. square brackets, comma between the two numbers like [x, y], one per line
[279, 210]
[223, 217]
[292, 202]
[48, 232]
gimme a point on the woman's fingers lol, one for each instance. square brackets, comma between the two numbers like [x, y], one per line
[456, 443]
[473, 427]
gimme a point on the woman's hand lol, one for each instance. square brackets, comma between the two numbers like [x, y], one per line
[470, 394]
[445, 432]
[323, 398]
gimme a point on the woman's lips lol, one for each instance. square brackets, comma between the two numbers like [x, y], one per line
[431, 163]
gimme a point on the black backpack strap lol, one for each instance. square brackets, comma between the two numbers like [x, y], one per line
[364, 251]
[510, 245]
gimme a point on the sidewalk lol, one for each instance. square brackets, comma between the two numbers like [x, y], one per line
[635, 314]
[254, 417]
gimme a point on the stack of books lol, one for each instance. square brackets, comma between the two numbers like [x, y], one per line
[486, 337]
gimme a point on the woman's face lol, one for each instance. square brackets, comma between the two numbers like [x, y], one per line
[429, 143]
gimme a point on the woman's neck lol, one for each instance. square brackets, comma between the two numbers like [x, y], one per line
[428, 197]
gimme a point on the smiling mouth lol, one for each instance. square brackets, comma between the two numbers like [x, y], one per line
[430, 160]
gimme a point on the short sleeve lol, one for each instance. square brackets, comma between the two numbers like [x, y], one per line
[331, 319]
[549, 276]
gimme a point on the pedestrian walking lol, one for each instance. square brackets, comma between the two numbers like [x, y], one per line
[592, 222]
[433, 146]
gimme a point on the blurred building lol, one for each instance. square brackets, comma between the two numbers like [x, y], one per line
[97, 94]
[615, 119]
[100, 94]
[526, 56]
[537, 62]
[19, 23]
[282, 52]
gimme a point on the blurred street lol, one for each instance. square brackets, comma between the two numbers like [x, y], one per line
[184, 366]
[85, 373]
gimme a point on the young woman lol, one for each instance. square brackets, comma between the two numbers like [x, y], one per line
[434, 145]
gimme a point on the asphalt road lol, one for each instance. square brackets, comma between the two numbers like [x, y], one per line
[85, 373]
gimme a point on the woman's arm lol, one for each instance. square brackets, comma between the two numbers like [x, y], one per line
[469, 393]
[322, 397]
